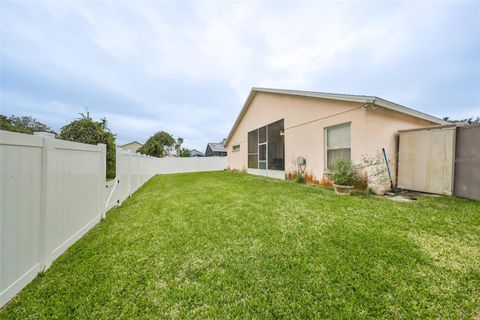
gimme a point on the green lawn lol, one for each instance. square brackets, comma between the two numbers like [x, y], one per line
[225, 245]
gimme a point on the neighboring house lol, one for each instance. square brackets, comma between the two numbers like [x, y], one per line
[132, 146]
[170, 152]
[275, 127]
[196, 153]
[215, 150]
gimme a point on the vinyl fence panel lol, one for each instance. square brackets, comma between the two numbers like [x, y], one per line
[193, 164]
[74, 176]
[132, 171]
[50, 196]
[20, 189]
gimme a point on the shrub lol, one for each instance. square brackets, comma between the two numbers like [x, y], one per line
[85, 130]
[185, 153]
[344, 172]
[300, 179]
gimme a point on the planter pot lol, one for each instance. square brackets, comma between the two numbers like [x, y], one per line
[342, 190]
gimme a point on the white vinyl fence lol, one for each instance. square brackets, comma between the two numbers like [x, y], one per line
[53, 191]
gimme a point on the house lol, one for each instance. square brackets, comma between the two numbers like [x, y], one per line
[170, 155]
[132, 146]
[196, 153]
[277, 128]
[215, 150]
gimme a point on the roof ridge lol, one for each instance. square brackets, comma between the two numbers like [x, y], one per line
[315, 92]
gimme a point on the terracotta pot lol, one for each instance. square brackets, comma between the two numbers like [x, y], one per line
[342, 190]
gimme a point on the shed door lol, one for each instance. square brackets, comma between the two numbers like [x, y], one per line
[425, 160]
[467, 162]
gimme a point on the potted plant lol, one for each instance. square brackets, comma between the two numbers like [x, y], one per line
[344, 175]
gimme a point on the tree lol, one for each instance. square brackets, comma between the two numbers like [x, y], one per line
[178, 145]
[158, 145]
[182, 152]
[470, 120]
[185, 153]
[25, 124]
[85, 130]
[6, 124]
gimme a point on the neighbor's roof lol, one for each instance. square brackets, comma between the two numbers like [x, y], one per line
[126, 144]
[196, 152]
[217, 147]
[334, 96]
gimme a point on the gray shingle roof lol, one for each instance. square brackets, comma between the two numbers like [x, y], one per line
[195, 152]
[217, 147]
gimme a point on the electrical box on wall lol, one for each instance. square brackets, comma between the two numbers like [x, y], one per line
[300, 160]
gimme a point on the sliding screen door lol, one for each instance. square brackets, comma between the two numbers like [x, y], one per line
[276, 146]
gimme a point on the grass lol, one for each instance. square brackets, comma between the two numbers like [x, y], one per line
[224, 245]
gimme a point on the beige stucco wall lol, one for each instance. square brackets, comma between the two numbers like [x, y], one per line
[370, 129]
[382, 132]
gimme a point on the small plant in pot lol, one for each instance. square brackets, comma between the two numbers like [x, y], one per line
[344, 175]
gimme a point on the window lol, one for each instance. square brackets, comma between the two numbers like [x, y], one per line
[338, 143]
[236, 148]
[266, 147]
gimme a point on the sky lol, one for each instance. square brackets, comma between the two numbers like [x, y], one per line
[187, 67]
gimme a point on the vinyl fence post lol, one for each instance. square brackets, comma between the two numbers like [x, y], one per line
[102, 181]
[45, 252]
[129, 175]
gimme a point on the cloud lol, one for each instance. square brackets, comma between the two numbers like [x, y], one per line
[187, 67]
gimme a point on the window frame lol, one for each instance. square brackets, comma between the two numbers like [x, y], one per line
[326, 149]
